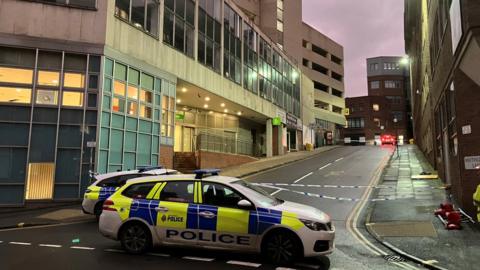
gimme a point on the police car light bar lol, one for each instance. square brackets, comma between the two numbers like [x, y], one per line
[199, 174]
[142, 169]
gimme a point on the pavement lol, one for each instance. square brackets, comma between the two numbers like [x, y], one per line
[403, 219]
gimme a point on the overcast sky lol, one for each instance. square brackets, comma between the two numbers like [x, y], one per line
[365, 28]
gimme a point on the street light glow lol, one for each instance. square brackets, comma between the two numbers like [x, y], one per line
[405, 60]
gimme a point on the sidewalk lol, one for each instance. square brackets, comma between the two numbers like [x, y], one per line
[43, 216]
[406, 219]
[272, 162]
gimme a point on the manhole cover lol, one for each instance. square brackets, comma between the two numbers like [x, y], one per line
[393, 258]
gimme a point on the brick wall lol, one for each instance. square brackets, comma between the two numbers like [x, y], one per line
[221, 160]
[166, 156]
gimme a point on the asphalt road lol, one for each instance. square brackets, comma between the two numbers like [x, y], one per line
[80, 246]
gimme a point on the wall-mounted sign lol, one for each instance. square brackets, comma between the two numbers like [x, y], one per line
[466, 129]
[472, 162]
[91, 144]
[346, 111]
[291, 121]
[179, 116]
[276, 121]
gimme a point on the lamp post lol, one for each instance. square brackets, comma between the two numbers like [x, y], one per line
[395, 120]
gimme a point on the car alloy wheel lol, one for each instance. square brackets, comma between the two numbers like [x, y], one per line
[281, 248]
[135, 238]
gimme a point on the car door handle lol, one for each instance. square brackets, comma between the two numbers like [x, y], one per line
[207, 214]
[161, 209]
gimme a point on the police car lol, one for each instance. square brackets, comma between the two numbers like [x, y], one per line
[106, 184]
[212, 211]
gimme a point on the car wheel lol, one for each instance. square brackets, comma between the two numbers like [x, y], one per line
[135, 238]
[281, 247]
[97, 211]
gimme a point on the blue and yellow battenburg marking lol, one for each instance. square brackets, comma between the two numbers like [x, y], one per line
[99, 193]
[186, 215]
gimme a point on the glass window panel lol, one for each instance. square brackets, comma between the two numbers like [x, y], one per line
[16, 75]
[47, 97]
[133, 76]
[108, 67]
[74, 80]
[179, 34]
[157, 115]
[92, 100]
[119, 88]
[106, 103]
[145, 96]
[172, 103]
[170, 131]
[77, 62]
[168, 27]
[145, 111]
[48, 78]
[190, 12]
[107, 85]
[147, 81]
[74, 99]
[132, 108]
[118, 105]
[93, 81]
[132, 123]
[94, 63]
[130, 141]
[170, 4]
[15, 95]
[49, 60]
[17, 57]
[163, 131]
[152, 17]
[132, 92]
[165, 102]
[120, 72]
[180, 8]
[138, 13]
[122, 8]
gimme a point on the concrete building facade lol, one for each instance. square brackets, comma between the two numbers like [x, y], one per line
[443, 41]
[320, 59]
[113, 85]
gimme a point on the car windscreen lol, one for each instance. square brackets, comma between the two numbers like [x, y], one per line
[257, 194]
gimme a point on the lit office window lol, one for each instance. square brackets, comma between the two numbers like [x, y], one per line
[132, 92]
[146, 96]
[119, 88]
[15, 95]
[145, 111]
[74, 80]
[392, 84]
[375, 84]
[16, 75]
[47, 97]
[376, 107]
[178, 25]
[73, 99]
[280, 26]
[48, 78]
[142, 14]
[132, 108]
[118, 105]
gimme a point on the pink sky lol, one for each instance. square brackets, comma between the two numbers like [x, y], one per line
[365, 28]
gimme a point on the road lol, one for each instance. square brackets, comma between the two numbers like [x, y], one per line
[80, 246]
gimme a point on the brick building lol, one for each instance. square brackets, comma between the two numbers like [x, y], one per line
[386, 110]
[442, 39]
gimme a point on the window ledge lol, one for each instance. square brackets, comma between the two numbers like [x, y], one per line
[139, 29]
[63, 5]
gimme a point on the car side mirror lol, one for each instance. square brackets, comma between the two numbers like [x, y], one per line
[244, 204]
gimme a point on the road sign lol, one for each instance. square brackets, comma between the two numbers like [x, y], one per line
[91, 144]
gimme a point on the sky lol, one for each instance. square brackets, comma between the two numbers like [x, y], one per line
[365, 28]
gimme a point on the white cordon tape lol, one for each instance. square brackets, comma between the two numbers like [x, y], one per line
[331, 197]
[335, 186]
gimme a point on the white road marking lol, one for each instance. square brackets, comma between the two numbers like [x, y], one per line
[284, 268]
[83, 248]
[245, 263]
[114, 250]
[321, 168]
[20, 243]
[337, 160]
[275, 192]
[198, 259]
[159, 254]
[49, 245]
[303, 177]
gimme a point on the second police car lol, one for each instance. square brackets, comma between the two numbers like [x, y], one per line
[104, 185]
[211, 211]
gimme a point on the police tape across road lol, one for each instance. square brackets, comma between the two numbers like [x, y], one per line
[328, 197]
[334, 186]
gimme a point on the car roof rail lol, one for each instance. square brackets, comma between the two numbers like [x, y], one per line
[201, 173]
[142, 169]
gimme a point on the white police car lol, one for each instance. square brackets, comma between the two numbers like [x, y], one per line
[211, 211]
[106, 184]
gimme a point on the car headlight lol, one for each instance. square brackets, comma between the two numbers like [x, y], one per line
[315, 226]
